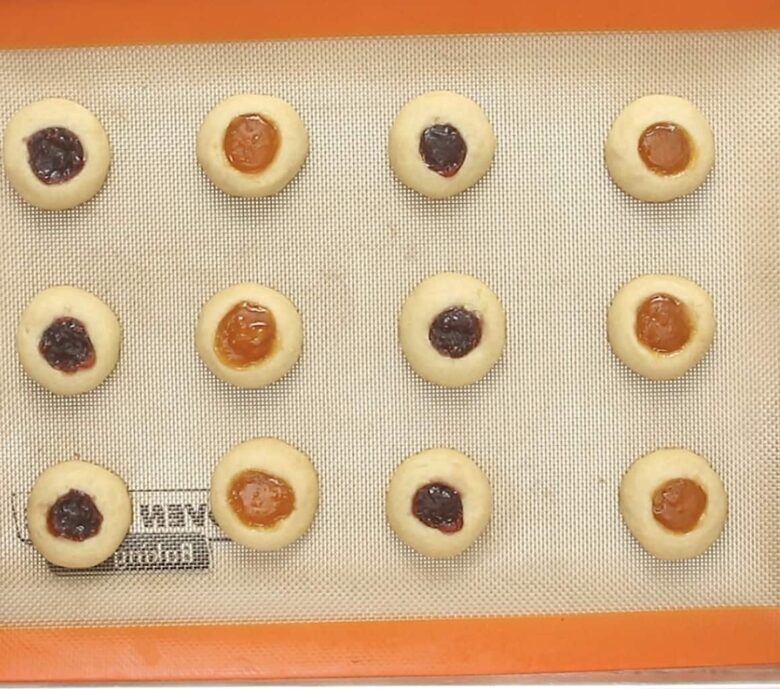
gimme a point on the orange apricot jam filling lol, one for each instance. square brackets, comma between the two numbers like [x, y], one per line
[679, 504]
[259, 499]
[251, 143]
[662, 324]
[246, 335]
[665, 148]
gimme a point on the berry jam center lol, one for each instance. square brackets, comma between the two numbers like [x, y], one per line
[74, 516]
[55, 155]
[443, 149]
[455, 332]
[438, 506]
[66, 346]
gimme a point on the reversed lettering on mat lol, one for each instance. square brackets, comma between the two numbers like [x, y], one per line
[171, 530]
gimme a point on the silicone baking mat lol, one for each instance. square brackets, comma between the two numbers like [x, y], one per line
[554, 425]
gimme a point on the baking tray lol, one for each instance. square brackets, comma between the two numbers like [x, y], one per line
[371, 640]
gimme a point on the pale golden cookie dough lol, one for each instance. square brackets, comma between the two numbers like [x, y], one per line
[292, 152]
[110, 496]
[287, 347]
[650, 472]
[454, 469]
[101, 326]
[440, 107]
[56, 112]
[627, 168]
[621, 326]
[435, 295]
[280, 460]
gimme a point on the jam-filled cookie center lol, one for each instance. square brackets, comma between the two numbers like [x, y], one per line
[74, 516]
[439, 506]
[251, 143]
[66, 346]
[260, 499]
[663, 324]
[455, 332]
[55, 155]
[443, 149]
[246, 335]
[665, 148]
[679, 504]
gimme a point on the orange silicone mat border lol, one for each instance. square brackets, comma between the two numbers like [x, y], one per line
[45, 23]
[426, 648]
[720, 637]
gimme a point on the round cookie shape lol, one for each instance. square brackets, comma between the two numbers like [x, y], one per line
[452, 329]
[441, 143]
[655, 494]
[255, 320]
[439, 502]
[68, 340]
[264, 494]
[78, 514]
[660, 148]
[251, 145]
[56, 154]
[666, 310]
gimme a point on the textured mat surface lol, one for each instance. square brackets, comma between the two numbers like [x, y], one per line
[554, 425]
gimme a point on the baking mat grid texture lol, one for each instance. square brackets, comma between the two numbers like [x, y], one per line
[554, 425]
